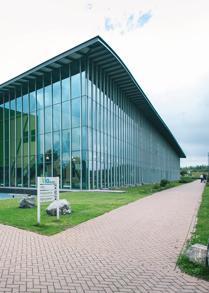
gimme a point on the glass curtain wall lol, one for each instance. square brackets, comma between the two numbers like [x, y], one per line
[74, 122]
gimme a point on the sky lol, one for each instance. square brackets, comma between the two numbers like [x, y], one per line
[164, 43]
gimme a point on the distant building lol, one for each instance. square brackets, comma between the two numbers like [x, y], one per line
[82, 116]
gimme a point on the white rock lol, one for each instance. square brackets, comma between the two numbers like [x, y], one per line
[27, 202]
[197, 253]
[62, 204]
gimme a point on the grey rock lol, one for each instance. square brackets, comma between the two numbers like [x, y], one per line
[27, 202]
[62, 204]
[197, 253]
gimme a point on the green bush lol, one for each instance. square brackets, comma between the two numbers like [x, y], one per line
[164, 182]
[184, 179]
[156, 186]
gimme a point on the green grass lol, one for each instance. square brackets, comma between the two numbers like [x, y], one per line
[200, 235]
[85, 206]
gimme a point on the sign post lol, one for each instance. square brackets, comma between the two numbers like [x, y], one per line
[48, 190]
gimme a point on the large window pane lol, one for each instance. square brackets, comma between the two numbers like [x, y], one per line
[65, 143]
[76, 112]
[56, 92]
[83, 77]
[48, 154]
[66, 115]
[12, 171]
[76, 139]
[65, 89]
[32, 171]
[56, 117]
[48, 145]
[66, 173]
[76, 85]
[18, 135]
[40, 165]
[84, 111]
[19, 169]
[12, 108]
[40, 98]
[25, 171]
[48, 119]
[40, 141]
[56, 144]
[19, 106]
[48, 95]
[25, 104]
[56, 154]
[75, 163]
[32, 101]
[40, 121]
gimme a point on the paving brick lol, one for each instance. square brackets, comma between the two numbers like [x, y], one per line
[131, 249]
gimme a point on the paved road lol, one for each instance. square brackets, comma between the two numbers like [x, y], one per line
[131, 249]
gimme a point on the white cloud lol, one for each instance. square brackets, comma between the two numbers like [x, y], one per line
[168, 56]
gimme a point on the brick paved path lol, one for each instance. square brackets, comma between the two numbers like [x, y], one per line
[131, 249]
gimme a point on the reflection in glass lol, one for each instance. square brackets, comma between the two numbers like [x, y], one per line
[12, 171]
[75, 139]
[56, 92]
[40, 165]
[25, 171]
[56, 154]
[76, 85]
[76, 112]
[66, 115]
[48, 119]
[40, 121]
[56, 117]
[48, 95]
[32, 171]
[75, 163]
[19, 169]
[65, 144]
[25, 104]
[19, 106]
[40, 98]
[65, 89]
[40, 144]
[32, 101]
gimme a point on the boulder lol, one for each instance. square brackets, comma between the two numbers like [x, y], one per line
[197, 253]
[62, 204]
[27, 202]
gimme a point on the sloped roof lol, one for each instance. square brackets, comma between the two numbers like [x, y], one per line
[101, 53]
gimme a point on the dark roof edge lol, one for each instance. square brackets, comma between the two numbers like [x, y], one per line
[53, 59]
[86, 44]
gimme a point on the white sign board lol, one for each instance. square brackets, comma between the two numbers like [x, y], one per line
[48, 190]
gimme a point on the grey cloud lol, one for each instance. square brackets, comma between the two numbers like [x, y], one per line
[188, 120]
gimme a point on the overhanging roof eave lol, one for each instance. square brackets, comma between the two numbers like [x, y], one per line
[94, 43]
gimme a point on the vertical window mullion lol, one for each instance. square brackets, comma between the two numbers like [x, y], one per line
[81, 124]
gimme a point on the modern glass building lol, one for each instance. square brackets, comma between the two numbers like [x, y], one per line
[83, 117]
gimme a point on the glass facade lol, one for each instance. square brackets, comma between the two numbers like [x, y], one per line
[74, 122]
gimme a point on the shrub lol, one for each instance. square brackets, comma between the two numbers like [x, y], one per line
[186, 179]
[156, 186]
[164, 182]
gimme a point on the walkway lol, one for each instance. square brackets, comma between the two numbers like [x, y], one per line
[131, 249]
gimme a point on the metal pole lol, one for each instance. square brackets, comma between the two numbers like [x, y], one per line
[57, 196]
[38, 203]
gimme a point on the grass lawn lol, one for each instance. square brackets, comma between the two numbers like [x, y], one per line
[200, 235]
[85, 206]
